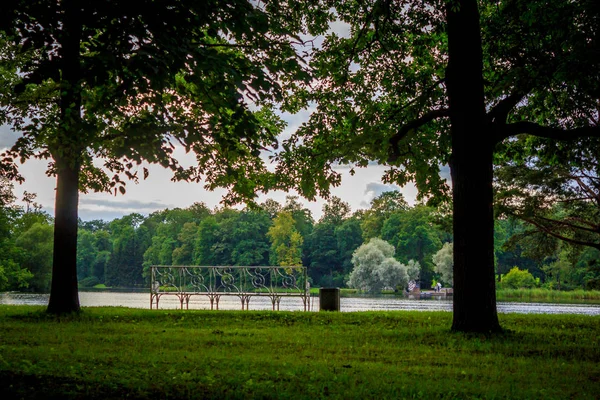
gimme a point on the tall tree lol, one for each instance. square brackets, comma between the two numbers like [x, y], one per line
[415, 236]
[323, 252]
[286, 241]
[205, 248]
[349, 237]
[419, 84]
[127, 82]
[86, 254]
[13, 276]
[251, 244]
[129, 243]
[303, 219]
[381, 208]
[335, 211]
[183, 255]
[36, 244]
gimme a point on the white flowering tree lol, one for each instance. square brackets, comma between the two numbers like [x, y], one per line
[444, 263]
[413, 269]
[375, 268]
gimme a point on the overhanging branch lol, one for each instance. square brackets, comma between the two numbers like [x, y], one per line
[412, 125]
[550, 232]
[534, 129]
[568, 225]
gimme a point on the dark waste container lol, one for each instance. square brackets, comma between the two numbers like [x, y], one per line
[329, 299]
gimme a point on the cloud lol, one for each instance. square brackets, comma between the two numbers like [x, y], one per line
[89, 215]
[7, 137]
[375, 189]
[106, 209]
[119, 205]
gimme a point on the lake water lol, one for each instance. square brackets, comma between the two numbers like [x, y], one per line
[380, 303]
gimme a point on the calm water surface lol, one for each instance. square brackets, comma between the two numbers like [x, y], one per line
[142, 300]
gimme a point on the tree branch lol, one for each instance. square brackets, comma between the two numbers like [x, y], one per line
[499, 113]
[534, 129]
[412, 125]
[574, 227]
[548, 231]
[587, 189]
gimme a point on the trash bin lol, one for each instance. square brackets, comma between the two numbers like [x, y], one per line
[329, 299]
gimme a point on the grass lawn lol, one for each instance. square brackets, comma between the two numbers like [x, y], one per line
[131, 353]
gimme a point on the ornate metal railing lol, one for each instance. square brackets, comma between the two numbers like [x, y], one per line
[217, 281]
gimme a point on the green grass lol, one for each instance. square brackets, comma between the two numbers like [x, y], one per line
[130, 353]
[547, 295]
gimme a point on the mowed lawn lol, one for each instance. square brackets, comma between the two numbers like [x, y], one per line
[131, 353]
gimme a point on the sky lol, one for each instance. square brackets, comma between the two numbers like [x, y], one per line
[158, 192]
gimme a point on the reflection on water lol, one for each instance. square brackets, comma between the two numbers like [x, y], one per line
[142, 300]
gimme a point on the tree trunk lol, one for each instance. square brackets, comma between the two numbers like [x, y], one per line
[66, 151]
[472, 174]
[64, 296]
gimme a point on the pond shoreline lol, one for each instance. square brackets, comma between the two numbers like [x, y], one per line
[385, 302]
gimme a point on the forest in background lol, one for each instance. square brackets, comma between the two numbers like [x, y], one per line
[118, 253]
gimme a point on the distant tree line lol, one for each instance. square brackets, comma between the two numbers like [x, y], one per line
[119, 253]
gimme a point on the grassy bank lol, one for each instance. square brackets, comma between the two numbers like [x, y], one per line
[129, 353]
[547, 295]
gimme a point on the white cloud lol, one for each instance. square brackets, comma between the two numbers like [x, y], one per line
[7, 137]
[375, 189]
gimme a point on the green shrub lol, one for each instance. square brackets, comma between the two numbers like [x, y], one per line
[89, 282]
[517, 279]
[100, 286]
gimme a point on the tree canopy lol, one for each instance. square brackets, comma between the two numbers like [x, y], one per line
[417, 85]
[99, 88]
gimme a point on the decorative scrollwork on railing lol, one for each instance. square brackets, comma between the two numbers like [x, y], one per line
[259, 278]
[199, 282]
[217, 281]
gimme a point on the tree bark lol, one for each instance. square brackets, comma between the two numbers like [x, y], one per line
[64, 293]
[472, 174]
[66, 151]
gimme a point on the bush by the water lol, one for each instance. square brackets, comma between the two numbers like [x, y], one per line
[376, 269]
[89, 282]
[517, 279]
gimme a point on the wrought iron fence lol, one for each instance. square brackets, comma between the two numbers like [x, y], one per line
[217, 281]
